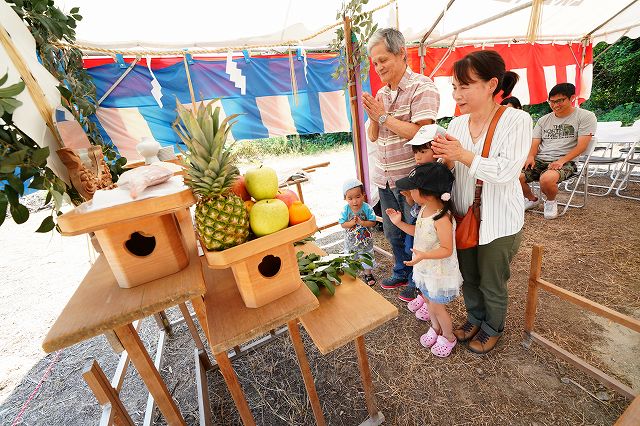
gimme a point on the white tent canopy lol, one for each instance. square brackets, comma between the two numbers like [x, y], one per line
[204, 23]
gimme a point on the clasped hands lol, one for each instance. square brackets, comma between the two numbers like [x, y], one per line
[353, 222]
[447, 147]
[372, 106]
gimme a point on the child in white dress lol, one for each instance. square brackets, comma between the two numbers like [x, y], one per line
[435, 263]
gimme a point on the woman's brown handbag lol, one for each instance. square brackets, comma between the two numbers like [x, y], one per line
[468, 226]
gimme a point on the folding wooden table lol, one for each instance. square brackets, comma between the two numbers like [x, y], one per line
[354, 310]
[230, 323]
[99, 305]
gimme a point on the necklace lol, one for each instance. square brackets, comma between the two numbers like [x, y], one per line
[486, 120]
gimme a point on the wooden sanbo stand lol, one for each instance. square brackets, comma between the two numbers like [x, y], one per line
[140, 240]
[266, 268]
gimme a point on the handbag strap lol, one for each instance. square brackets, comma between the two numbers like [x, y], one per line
[485, 148]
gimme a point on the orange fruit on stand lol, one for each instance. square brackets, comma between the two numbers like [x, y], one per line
[298, 213]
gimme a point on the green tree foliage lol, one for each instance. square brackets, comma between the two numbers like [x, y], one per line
[616, 75]
[22, 161]
[49, 26]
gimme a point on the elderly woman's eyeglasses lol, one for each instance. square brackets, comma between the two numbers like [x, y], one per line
[556, 101]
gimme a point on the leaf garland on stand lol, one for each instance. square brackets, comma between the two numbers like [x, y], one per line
[325, 271]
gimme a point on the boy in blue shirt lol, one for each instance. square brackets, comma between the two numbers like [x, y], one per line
[357, 218]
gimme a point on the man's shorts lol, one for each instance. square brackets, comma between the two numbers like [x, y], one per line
[533, 175]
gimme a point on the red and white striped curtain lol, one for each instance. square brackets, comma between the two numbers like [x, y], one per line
[540, 67]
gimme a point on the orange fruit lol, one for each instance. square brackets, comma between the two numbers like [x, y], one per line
[298, 213]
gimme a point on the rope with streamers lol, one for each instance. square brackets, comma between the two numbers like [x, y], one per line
[200, 51]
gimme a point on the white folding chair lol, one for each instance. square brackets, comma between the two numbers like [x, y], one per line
[617, 138]
[581, 174]
[603, 126]
[633, 161]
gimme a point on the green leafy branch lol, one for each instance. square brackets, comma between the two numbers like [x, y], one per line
[48, 25]
[22, 159]
[317, 271]
[306, 240]
[362, 28]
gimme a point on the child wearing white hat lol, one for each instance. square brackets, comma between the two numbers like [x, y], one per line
[357, 218]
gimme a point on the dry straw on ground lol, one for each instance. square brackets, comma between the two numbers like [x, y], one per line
[593, 252]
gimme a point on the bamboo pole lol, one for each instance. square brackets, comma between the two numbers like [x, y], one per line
[37, 95]
[186, 68]
[357, 116]
[534, 20]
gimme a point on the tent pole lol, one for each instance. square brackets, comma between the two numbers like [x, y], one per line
[118, 81]
[610, 19]
[484, 21]
[186, 68]
[608, 47]
[421, 51]
[32, 85]
[357, 125]
[585, 43]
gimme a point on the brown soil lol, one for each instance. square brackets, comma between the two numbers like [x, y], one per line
[593, 252]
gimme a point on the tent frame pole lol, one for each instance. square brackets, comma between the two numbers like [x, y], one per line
[612, 18]
[480, 23]
[421, 51]
[186, 68]
[118, 81]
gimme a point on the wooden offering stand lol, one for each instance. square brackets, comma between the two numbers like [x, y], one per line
[100, 305]
[140, 240]
[266, 268]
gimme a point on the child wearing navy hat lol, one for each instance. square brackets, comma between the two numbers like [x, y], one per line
[435, 262]
[422, 152]
[356, 218]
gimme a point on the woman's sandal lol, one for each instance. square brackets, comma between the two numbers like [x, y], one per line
[415, 304]
[443, 347]
[423, 313]
[370, 280]
[429, 338]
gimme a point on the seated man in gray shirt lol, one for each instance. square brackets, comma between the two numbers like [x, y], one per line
[558, 138]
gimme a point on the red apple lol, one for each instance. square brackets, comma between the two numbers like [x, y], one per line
[288, 196]
[240, 189]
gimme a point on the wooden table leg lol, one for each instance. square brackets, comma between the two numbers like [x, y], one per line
[106, 394]
[294, 332]
[149, 374]
[365, 373]
[233, 385]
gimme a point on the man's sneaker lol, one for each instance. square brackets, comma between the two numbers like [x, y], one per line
[550, 209]
[529, 204]
[393, 282]
[408, 294]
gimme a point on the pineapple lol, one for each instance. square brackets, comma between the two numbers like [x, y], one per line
[222, 219]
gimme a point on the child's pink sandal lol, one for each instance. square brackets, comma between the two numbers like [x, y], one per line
[429, 338]
[415, 304]
[443, 347]
[423, 313]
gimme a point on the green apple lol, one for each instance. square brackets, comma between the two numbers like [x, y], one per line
[261, 182]
[268, 216]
